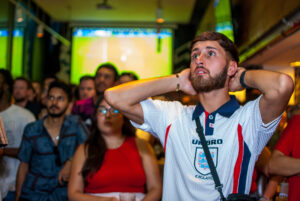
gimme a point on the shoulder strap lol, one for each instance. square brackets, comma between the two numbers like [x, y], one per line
[210, 162]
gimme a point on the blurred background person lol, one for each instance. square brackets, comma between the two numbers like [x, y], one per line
[106, 77]
[127, 77]
[37, 89]
[285, 159]
[15, 119]
[264, 185]
[31, 94]
[46, 82]
[86, 88]
[44, 95]
[47, 148]
[21, 91]
[112, 161]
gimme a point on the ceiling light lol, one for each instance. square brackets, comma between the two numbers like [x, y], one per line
[19, 15]
[40, 31]
[295, 64]
[159, 17]
[104, 6]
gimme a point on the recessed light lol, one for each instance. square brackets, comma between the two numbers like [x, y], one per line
[295, 64]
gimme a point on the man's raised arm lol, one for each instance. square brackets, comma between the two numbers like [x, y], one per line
[276, 88]
[127, 97]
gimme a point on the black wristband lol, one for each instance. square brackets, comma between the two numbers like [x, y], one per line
[242, 80]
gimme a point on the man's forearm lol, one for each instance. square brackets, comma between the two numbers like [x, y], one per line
[134, 92]
[21, 175]
[269, 83]
[277, 89]
[284, 165]
[11, 152]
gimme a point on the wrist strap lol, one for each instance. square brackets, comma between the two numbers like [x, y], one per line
[242, 80]
[210, 162]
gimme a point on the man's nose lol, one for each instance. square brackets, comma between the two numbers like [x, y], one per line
[200, 59]
[101, 78]
[54, 101]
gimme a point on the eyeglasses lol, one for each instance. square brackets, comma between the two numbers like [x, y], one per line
[103, 110]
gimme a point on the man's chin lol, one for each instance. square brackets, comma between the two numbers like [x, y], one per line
[56, 115]
[18, 100]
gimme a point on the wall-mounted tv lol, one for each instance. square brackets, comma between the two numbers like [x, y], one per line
[142, 50]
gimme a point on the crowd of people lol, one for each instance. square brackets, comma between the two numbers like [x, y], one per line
[79, 143]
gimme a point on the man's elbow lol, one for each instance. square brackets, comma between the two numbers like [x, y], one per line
[286, 85]
[110, 97]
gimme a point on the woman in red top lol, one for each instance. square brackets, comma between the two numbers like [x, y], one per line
[113, 162]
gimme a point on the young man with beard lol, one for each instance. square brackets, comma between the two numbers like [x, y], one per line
[235, 134]
[47, 148]
[14, 119]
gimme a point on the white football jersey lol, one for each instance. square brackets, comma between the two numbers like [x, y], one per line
[235, 135]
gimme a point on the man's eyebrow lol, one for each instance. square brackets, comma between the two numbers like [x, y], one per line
[195, 49]
[207, 47]
[210, 47]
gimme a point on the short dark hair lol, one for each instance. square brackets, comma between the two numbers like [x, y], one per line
[130, 74]
[50, 77]
[29, 86]
[7, 78]
[61, 85]
[223, 41]
[111, 67]
[86, 77]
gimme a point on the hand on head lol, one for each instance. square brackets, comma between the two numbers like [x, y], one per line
[185, 83]
[234, 82]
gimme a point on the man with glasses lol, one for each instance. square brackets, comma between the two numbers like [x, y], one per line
[106, 76]
[235, 134]
[47, 148]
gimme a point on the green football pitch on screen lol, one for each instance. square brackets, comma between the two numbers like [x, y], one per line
[143, 51]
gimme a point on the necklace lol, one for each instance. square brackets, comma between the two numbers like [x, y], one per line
[55, 138]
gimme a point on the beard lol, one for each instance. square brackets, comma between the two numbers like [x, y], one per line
[212, 83]
[56, 115]
[18, 100]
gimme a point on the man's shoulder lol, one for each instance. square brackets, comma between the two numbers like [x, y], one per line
[73, 121]
[166, 103]
[34, 128]
[20, 113]
[72, 118]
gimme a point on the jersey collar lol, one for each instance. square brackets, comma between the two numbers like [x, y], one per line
[226, 110]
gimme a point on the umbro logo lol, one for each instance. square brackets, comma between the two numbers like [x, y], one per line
[209, 142]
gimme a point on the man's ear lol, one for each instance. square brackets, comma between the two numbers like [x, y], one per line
[232, 68]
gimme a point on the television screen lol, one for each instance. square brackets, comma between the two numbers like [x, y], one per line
[17, 51]
[3, 47]
[141, 50]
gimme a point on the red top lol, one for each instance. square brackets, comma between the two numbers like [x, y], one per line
[289, 144]
[122, 171]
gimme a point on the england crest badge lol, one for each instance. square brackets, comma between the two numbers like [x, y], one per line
[200, 162]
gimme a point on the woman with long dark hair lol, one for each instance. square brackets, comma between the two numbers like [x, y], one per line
[113, 163]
